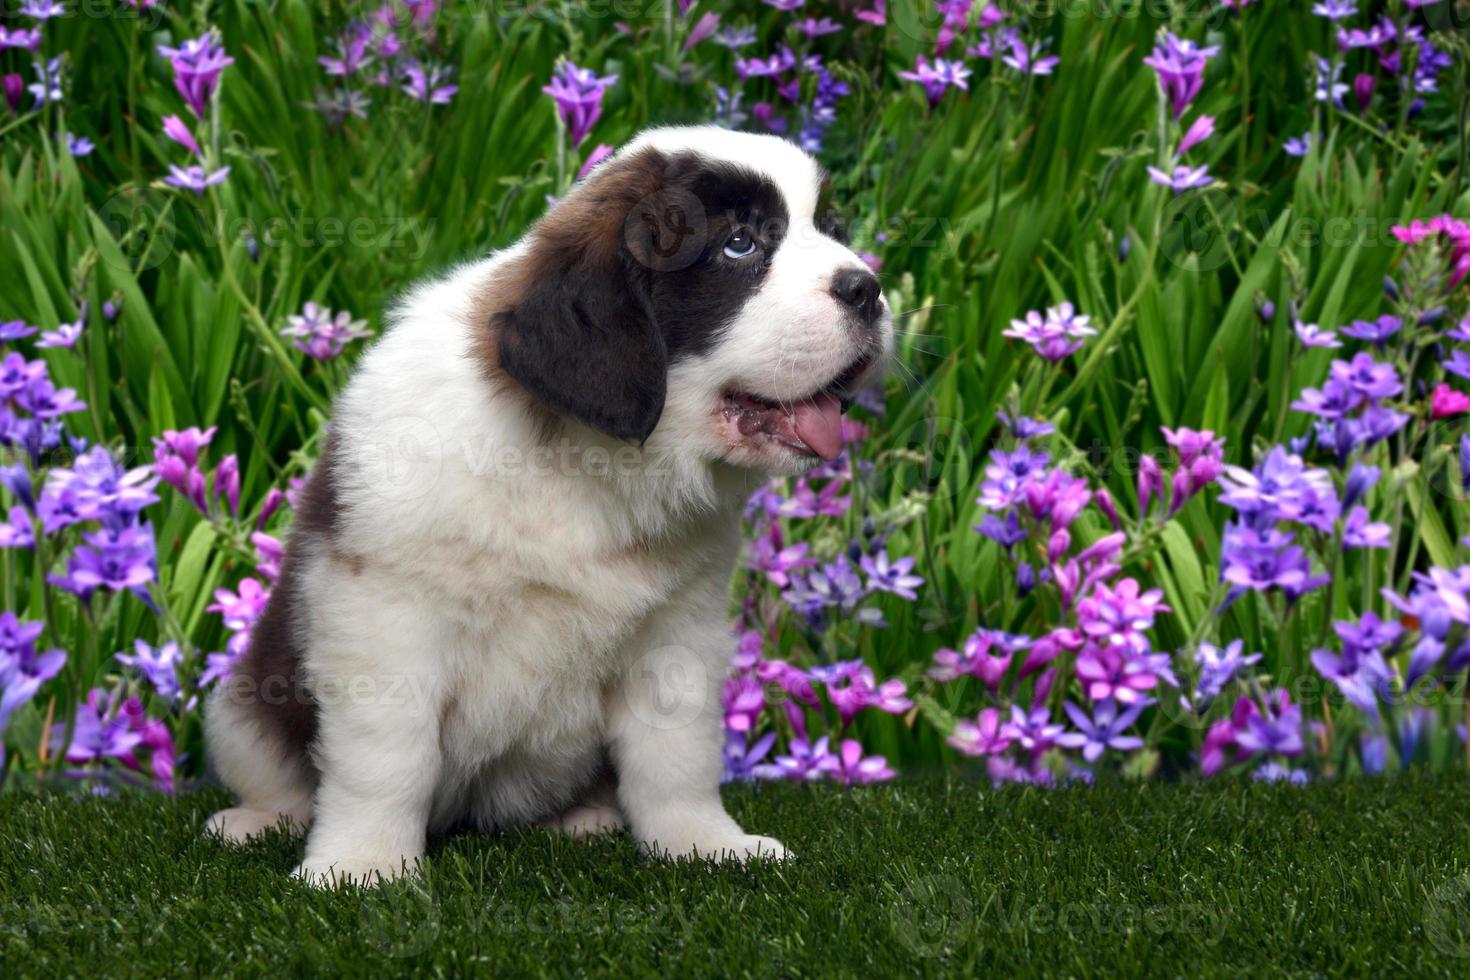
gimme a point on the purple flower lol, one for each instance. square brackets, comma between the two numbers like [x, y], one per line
[197, 64]
[855, 769]
[1219, 667]
[178, 131]
[807, 761]
[777, 563]
[937, 77]
[319, 335]
[744, 700]
[1053, 336]
[428, 85]
[1376, 331]
[1326, 84]
[77, 146]
[851, 687]
[17, 531]
[1007, 474]
[977, 660]
[1027, 61]
[1183, 178]
[1275, 772]
[578, 94]
[1025, 429]
[96, 487]
[65, 335]
[1114, 673]
[15, 330]
[1008, 532]
[1336, 399]
[22, 669]
[1263, 560]
[897, 577]
[1034, 731]
[352, 54]
[1358, 532]
[42, 9]
[1373, 380]
[1281, 486]
[103, 729]
[45, 401]
[814, 28]
[983, 736]
[23, 40]
[1180, 65]
[1119, 617]
[735, 37]
[1298, 146]
[1277, 731]
[1360, 674]
[194, 177]
[111, 559]
[158, 666]
[1199, 131]
[1335, 9]
[743, 763]
[1312, 335]
[1104, 730]
[47, 86]
[1459, 364]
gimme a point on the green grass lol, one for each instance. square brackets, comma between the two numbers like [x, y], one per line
[1346, 879]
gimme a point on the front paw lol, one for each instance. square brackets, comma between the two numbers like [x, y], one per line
[737, 847]
[364, 872]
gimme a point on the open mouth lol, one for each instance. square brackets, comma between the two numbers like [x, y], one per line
[811, 425]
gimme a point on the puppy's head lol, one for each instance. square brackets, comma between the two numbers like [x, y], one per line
[693, 293]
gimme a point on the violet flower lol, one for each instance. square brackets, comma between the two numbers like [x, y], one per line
[578, 94]
[321, 336]
[195, 178]
[197, 64]
[1180, 65]
[1104, 730]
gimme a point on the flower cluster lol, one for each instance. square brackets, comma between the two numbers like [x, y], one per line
[386, 51]
[321, 336]
[197, 64]
[984, 33]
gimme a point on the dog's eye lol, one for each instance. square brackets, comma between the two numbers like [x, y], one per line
[741, 244]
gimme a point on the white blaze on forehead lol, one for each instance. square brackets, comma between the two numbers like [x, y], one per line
[788, 166]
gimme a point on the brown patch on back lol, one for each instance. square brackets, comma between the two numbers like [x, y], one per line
[270, 679]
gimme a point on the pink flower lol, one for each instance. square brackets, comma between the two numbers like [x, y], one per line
[983, 736]
[1446, 401]
[178, 131]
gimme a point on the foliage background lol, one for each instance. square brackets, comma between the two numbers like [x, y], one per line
[1019, 193]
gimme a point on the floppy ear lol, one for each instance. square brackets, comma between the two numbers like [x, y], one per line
[581, 336]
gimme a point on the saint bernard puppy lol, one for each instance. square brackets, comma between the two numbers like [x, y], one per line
[504, 600]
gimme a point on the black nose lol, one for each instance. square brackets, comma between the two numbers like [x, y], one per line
[858, 290]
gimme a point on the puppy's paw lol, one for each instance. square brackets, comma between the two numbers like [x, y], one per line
[589, 820]
[239, 824]
[738, 847]
[364, 872]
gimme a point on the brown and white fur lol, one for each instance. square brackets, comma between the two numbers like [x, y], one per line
[504, 601]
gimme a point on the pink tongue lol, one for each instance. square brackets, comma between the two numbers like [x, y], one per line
[818, 423]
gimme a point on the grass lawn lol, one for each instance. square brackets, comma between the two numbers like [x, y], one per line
[1340, 878]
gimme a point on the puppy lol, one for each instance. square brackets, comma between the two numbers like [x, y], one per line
[504, 600]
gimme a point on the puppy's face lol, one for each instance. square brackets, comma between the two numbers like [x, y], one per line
[693, 293]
